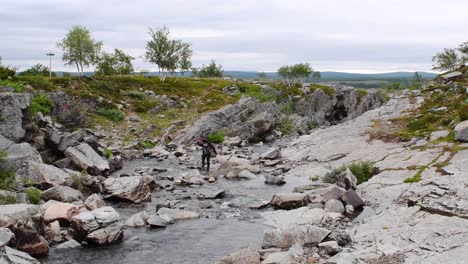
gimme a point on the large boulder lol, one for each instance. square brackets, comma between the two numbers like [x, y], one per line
[60, 211]
[94, 201]
[85, 158]
[62, 194]
[177, 214]
[138, 220]
[461, 131]
[10, 214]
[289, 201]
[12, 106]
[133, 189]
[285, 238]
[101, 226]
[6, 236]
[17, 154]
[28, 239]
[44, 176]
[9, 255]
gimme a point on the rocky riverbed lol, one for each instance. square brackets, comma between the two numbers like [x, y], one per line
[261, 203]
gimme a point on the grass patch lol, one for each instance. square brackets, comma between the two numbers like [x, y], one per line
[217, 137]
[363, 170]
[112, 114]
[326, 89]
[255, 91]
[33, 195]
[9, 199]
[76, 182]
[38, 82]
[146, 144]
[41, 103]
[108, 153]
[7, 177]
[15, 85]
[286, 126]
[332, 176]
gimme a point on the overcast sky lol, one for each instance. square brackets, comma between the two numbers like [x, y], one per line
[339, 35]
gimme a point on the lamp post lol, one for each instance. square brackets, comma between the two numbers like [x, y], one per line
[50, 63]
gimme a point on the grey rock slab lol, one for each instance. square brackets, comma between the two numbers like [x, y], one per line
[43, 175]
[461, 131]
[178, 214]
[352, 198]
[271, 154]
[85, 158]
[138, 220]
[69, 244]
[334, 206]
[155, 221]
[133, 189]
[248, 255]
[5, 236]
[283, 257]
[62, 194]
[94, 201]
[285, 238]
[11, 114]
[9, 255]
[439, 134]
[289, 200]
[332, 193]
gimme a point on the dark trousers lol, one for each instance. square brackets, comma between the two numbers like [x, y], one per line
[207, 157]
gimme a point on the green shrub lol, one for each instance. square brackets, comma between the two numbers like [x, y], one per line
[33, 195]
[108, 153]
[38, 82]
[332, 175]
[41, 103]
[217, 137]
[7, 177]
[16, 86]
[288, 108]
[146, 144]
[256, 92]
[363, 170]
[144, 106]
[111, 114]
[136, 95]
[286, 126]
[6, 71]
[76, 182]
[326, 89]
[314, 178]
[9, 199]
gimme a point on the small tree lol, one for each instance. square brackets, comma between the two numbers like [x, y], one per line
[118, 63]
[79, 48]
[463, 49]
[168, 54]
[37, 70]
[210, 71]
[6, 71]
[285, 73]
[446, 60]
[301, 72]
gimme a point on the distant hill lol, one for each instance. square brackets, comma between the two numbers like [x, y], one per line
[325, 76]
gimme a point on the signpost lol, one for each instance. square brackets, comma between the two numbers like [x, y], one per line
[50, 63]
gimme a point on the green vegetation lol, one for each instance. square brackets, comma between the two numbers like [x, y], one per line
[41, 103]
[108, 153]
[363, 170]
[79, 49]
[168, 54]
[361, 94]
[326, 89]
[288, 108]
[286, 126]
[146, 144]
[38, 82]
[76, 183]
[112, 114]
[332, 175]
[314, 178]
[37, 70]
[6, 71]
[33, 195]
[118, 63]
[256, 91]
[217, 137]
[417, 176]
[451, 59]
[9, 199]
[210, 71]
[16, 86]
[297, 73]
[7, 177]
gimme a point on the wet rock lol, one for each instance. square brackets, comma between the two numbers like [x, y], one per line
[156, 222]
[69, 244]
[11, 114]
[461, 131]
[329, 247]
[9, 255]
[334, 206]
[62, 194]
[248, 255]
[85, 158]
[352, 198]
[274, 180]
[271, 154]
[101, 226]
[278, 258]
[60, 211]
[44, 176]
[245, 174]
[128, 189]
[6, 236]
[27, 239]
[94, 201]
[285, 238]
[178, 214]
[138, 220]
[289, 201]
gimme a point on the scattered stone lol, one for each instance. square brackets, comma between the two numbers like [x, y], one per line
[278, 258]
[289, 201]
[178, 214]
[155, 221]
[138, 220]
[285, 238]
[274, 180]
[245, 174]
[347, 180]
[94, 201]
[329, 247]
[85, 158]
[132, 189]
[271, 154]
[334, 206]
[248, 255]
[333, 193]
[211, 194]
[62, 194]
[69, 244]
[461, 131]
[352, 198]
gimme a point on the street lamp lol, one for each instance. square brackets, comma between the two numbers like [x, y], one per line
[50, 63]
